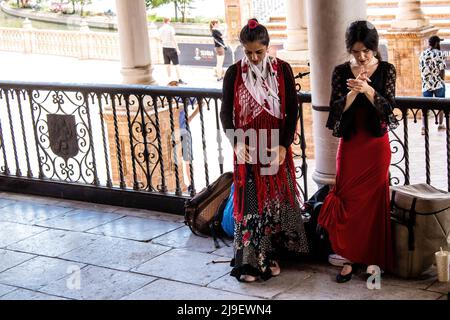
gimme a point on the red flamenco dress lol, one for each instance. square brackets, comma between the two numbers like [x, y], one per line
[267, 213]
[356, 212]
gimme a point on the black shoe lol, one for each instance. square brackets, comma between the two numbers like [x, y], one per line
[341, 278]
[181, 81]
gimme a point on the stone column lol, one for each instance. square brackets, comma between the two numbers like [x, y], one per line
[134, 42]
[296, 46]
[28, 35]
[237, 12]
[407, 38]
[410, 15]
[295, 52]
[84, 40]
[327, 22]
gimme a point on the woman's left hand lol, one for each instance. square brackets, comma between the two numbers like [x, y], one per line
[357, 85]
[280, 154]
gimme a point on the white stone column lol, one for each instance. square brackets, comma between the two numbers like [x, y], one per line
[246, 7]
[327, 23]
[28, 34]
[84, 39]
[296, 46]
[134, 42]
[409, 15]
[156, 55]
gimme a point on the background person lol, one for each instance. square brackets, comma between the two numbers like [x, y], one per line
[432, 71]
[170, 49]
[219, 48]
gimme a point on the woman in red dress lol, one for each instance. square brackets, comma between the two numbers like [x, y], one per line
[356, 211]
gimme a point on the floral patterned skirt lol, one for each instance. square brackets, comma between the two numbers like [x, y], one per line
[260, 238]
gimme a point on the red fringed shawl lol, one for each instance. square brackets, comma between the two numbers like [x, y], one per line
[268, 187]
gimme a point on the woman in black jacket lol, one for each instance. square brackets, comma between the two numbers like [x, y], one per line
[219, 48]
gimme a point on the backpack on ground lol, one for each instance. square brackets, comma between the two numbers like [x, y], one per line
[200, 209]
[222, 224]
[319, 242]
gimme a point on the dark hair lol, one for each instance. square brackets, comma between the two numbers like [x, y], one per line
[253, 31]
[365, 32]
[212, 23]
[435, 42]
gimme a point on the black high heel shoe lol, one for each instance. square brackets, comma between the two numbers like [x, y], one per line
[344, 278]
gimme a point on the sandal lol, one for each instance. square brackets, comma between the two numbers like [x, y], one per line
[275, 268]
[248, 278]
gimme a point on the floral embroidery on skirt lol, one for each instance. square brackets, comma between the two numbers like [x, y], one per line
[259, 239]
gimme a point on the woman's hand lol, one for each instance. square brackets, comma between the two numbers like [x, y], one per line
[280, 154]
[242, 152]
[360, 84]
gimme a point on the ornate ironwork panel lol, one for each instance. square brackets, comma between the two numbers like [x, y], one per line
[62, 129]
[62, 135]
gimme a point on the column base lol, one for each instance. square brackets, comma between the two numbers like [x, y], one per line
[323, 178]
[138, 75]
[300, 57]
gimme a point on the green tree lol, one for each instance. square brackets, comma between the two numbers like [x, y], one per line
[81, 4]
[150, 4]
[23, 3]
[183, 7]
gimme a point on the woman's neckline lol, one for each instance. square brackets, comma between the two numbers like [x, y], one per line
[370, 77]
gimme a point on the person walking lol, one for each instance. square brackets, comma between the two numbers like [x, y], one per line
[170, 49]
[219, 48]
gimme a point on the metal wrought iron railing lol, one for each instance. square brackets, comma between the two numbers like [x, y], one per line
[421, 155]
[418, 155]
[113, 144]
[123, 144]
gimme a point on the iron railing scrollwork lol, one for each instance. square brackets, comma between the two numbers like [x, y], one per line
[126, 137]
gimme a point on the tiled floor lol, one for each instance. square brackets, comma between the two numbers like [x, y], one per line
[54, 249]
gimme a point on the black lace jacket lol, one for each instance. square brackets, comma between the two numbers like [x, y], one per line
[379, 116]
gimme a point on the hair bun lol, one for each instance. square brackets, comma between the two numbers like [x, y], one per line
[252, 23]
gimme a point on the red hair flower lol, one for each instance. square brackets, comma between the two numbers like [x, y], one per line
[252, 24]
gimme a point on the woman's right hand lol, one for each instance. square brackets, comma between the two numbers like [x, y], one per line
[242, 152]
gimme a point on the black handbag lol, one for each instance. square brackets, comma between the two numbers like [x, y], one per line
[318, 240]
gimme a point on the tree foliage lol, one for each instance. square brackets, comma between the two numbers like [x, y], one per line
[150, 4]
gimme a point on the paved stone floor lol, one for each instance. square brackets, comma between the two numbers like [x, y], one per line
[57, 249]
[54, 249]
